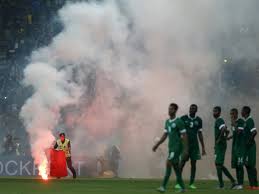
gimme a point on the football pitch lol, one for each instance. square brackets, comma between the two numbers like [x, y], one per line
[100, 186]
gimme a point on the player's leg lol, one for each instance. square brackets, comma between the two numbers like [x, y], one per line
[178, 174]
[226, 172]
[71, 168]
[194, 156]
[219, 161]
[253, 157]
[234, 161]
[175, 162]
[182, 164]
[240, 176]
[255, 178]
[248, 170]
[220, 175]
[250, 165]
[193, 173]
[230, 177]
[249, 174]
[239, 163]
[221, 154]
[168, 172]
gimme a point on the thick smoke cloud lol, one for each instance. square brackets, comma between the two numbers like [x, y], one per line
[109, 76]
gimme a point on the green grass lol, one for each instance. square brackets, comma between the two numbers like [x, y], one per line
[98, 186]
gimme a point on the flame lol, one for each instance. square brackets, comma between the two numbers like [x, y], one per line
[43, 169]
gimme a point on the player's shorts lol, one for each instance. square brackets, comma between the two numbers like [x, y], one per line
[237, 159]
[174, 156]
[250, 156]
[194, 152]
[220, 152]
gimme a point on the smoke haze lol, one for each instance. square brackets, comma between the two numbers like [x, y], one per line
[108, 77]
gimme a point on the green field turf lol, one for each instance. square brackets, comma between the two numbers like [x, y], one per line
[99, 186]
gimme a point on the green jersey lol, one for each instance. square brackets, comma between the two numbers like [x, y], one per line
[238, 142]
[219, 125]
[174, 128]
[193, 126]
[249, 127]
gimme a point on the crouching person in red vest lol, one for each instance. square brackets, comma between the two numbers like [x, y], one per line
[64, 144]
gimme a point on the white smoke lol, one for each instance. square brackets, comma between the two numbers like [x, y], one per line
[42, 111]
[114, 69]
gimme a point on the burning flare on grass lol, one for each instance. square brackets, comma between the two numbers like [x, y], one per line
[41, 112]
[43, 169]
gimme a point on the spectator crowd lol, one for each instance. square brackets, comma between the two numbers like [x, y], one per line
[24, 26]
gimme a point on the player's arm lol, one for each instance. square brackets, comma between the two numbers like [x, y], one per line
[69, 146]
[252, 136]
[253, 132]
[240, 128]
[162, 139]
[184, 138]
[233, 124]
[230, 137]
[200, 135]
[223, 131]
[227, 132]
[184, 135]
[185, 145]
[56, 146]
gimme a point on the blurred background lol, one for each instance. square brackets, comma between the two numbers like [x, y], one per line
[28, 25]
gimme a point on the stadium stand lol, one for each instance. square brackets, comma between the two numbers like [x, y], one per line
[24, 26]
